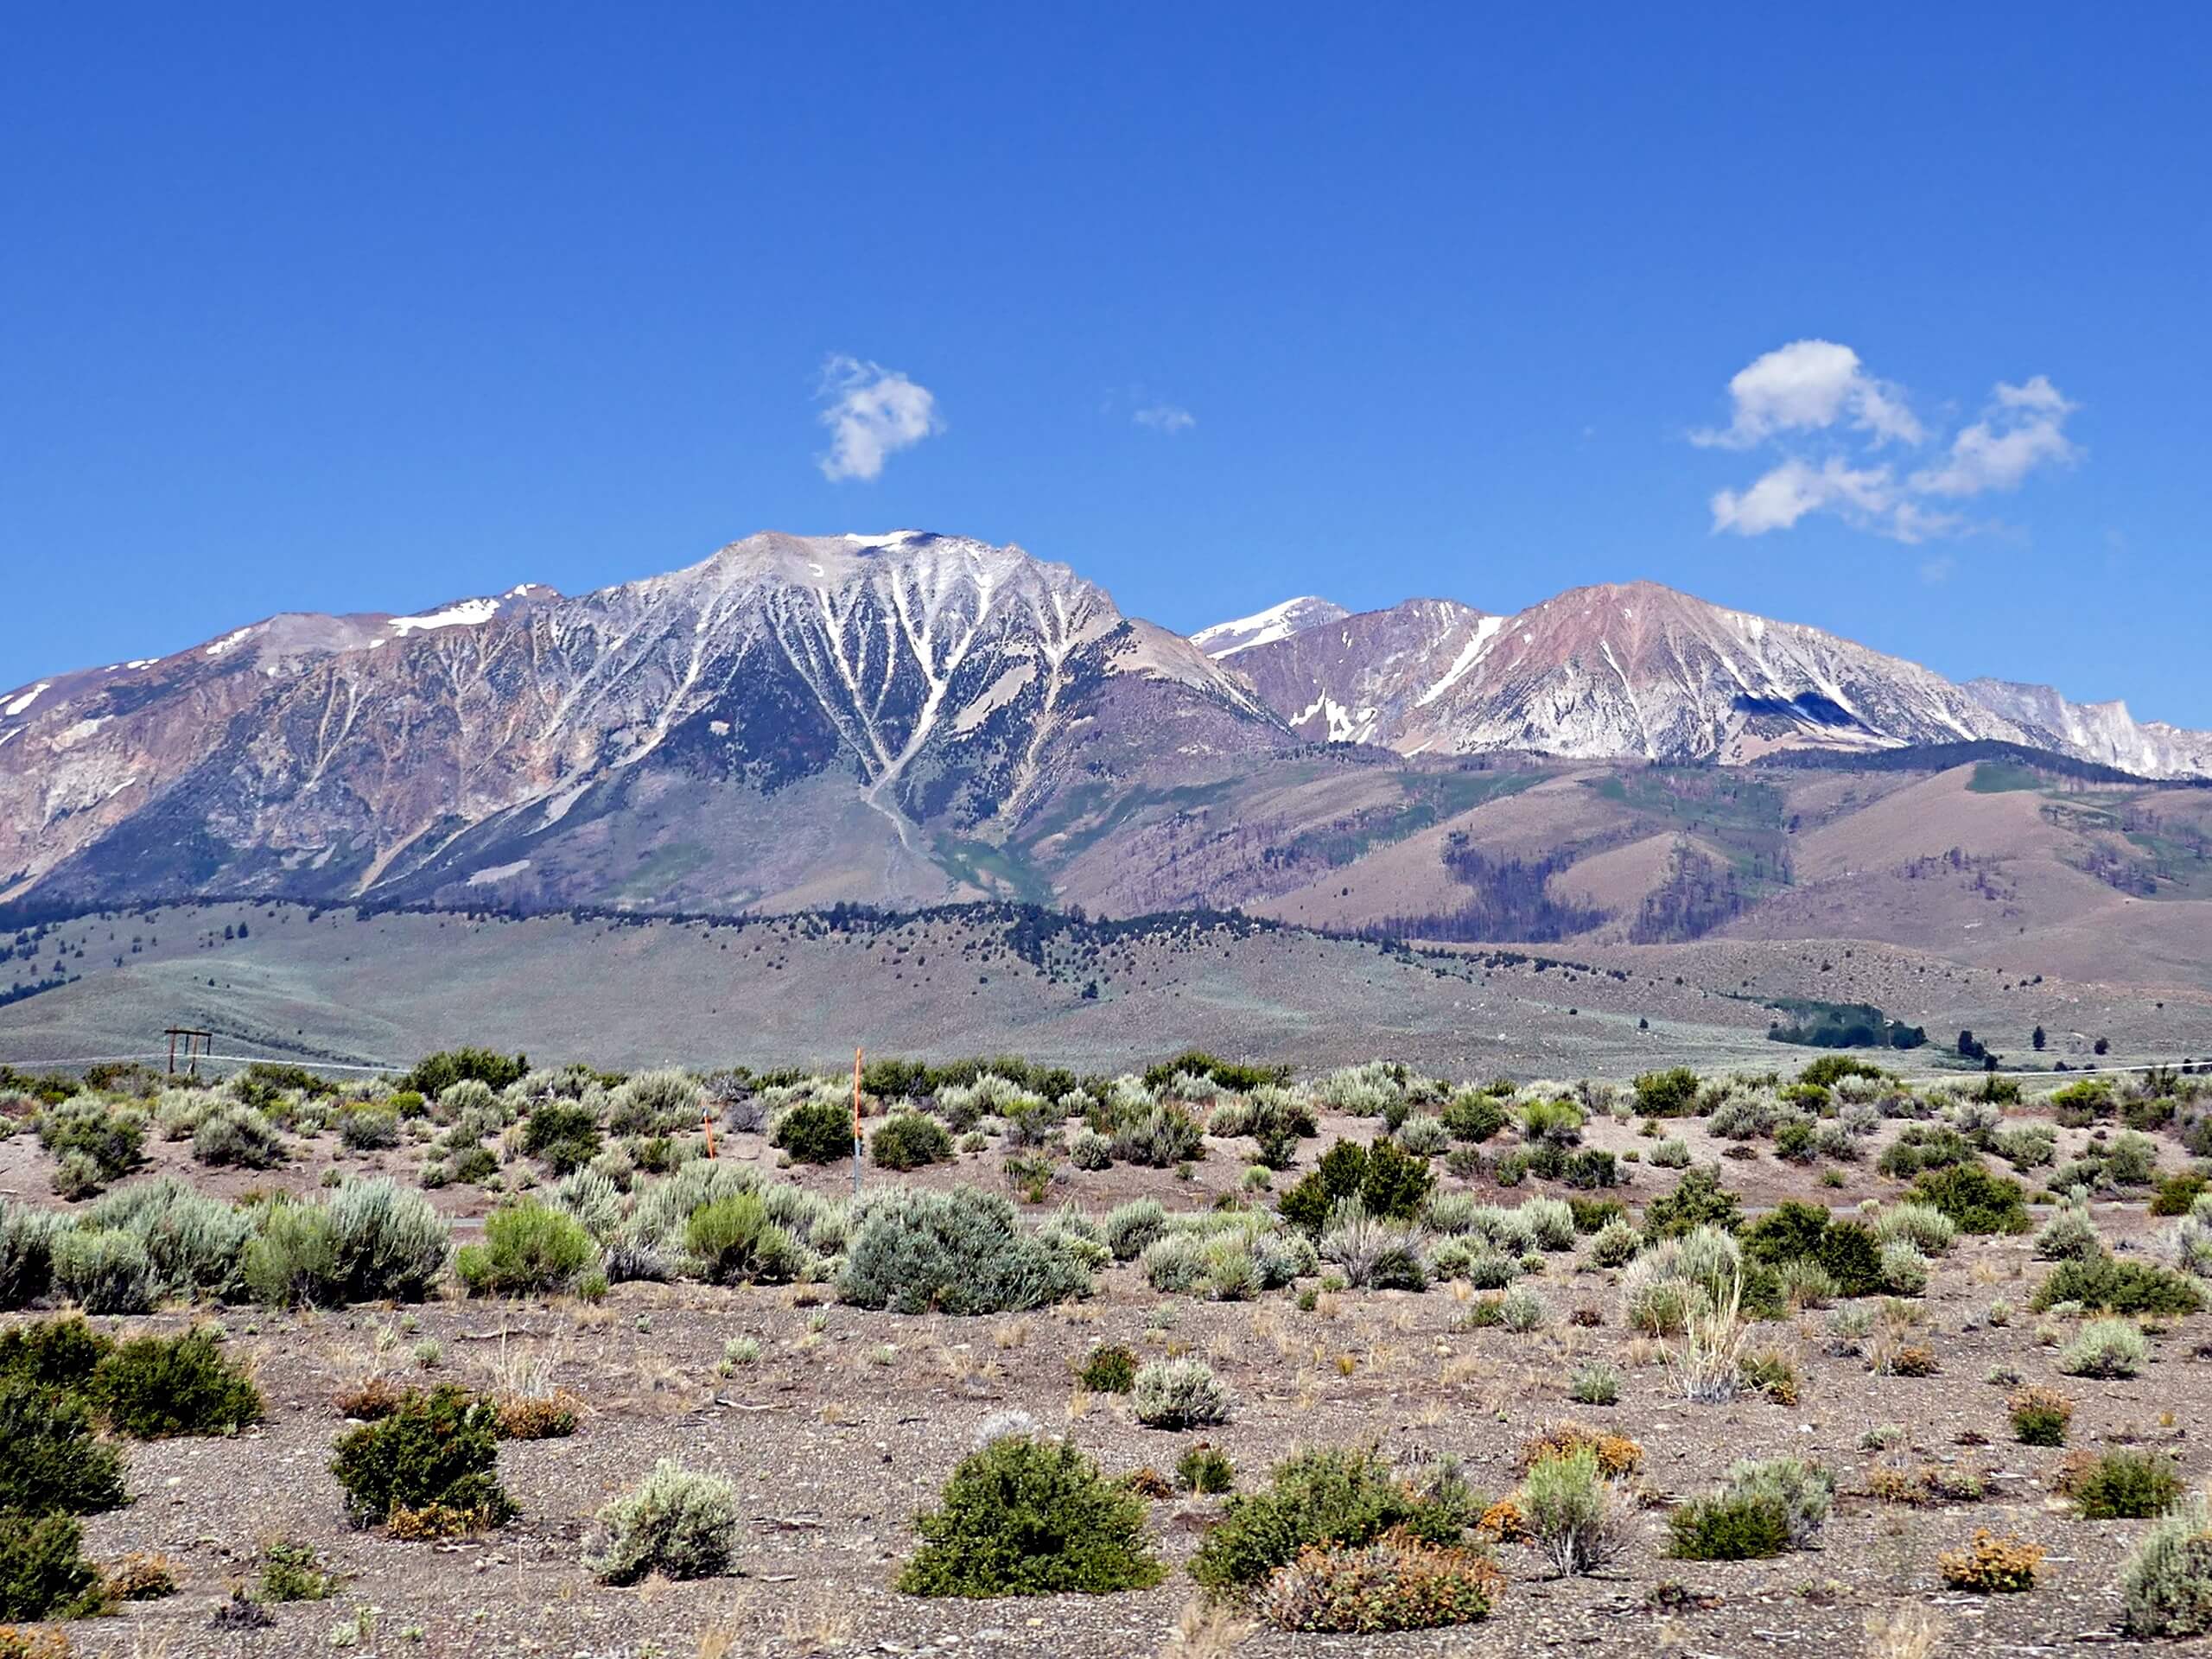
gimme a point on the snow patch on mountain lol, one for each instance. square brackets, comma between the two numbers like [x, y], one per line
[1471, 653]
[1264, 628]
[468, 614]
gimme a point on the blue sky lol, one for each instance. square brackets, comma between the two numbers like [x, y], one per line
[310, 308]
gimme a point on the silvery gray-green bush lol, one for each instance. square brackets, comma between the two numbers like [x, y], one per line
[678, 1523]
[1180, 1393]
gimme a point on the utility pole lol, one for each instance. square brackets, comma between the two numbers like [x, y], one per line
[196, 1044]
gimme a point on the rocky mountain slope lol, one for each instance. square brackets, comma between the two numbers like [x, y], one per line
[794, 715]
[1638, 670]
[2103, 732]
[909, 719]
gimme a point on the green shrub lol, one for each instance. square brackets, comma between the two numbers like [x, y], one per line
[53, 1353]
[1347, 1496]
[55, 1464]
[2165, 1585]
[678, 1523]
[1395, 1583]
[1203, 1469]
[1767, 1505]
[2177, 1193]
[474, 1164]
[1849, 1253]
[1667, 1094]
[367, 1241]
[1698, 1201]
[102, 1270]
[564, 1133]
[1025, 1518]
[1557, 1120]
[1242, 1076]
[1920, 1147]
[1473, 1117]
[2126, 1485]
[156, 1387]
[435, 1073]
[42, 1573]
[529, 1250]
[1371, 1251]
[2040, 1416]
[816, 1132]
[111, 1137]
[26, 1253]
[1727, 1529]
[292, 1572]
[437, 1448]
[1111, 1368]
[736, 1242]
[236, 1136]
[2110, 1285]
[1790, 1232]
[1591, 1169]
[1976, 1200]
[960, 1252]
[1831, 1069]
[1388, 1180]
[908, 1140]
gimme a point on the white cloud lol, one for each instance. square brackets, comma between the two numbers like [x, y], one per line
[2021, 430]
[1813, 405]
[1938, 570]
[1810, 385]
[1165, 418]
[1788, 492]
[874, 413]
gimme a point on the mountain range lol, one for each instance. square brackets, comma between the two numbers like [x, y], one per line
[1637, 670]
[905, 718]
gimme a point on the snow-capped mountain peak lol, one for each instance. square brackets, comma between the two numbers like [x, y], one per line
[907, 686]
[1641, 670]
[1264, 628]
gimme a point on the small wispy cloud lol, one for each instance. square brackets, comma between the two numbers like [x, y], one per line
[1787, 493]
[2021, 430]
[1935, 572]
[1165, 418]
[873, 413]
[1813, 406]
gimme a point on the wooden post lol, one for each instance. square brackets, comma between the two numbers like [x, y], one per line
[856, 1122]
[706, 1122]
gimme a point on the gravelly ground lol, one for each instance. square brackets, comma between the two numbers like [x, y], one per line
[840, 1433]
